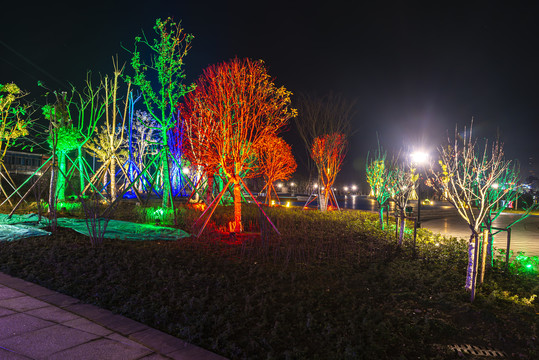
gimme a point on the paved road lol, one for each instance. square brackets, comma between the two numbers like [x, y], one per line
[442, 218]
[524, 236]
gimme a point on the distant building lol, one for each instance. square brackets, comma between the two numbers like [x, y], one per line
[18, 162]
[532, 167]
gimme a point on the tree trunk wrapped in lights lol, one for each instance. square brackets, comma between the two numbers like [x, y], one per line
[235, 109]
[328, 154]
[275, 162]
[162, 96]
[13, 122]
[467, 175]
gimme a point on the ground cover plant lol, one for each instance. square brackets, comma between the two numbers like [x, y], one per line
[332, 286]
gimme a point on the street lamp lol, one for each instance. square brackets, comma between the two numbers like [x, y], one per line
[419, 158]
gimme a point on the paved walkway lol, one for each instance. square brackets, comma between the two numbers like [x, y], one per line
[37, 323]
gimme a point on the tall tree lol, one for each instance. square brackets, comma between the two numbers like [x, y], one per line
[239, 108]
[14, 122]
[323, 116]
[466, 177]
[275, 162]
[110, 143]
[167, 53]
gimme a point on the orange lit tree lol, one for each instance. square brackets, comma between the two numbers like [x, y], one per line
[275, 162]
[328, 153]
[237, 107]
[319, 117]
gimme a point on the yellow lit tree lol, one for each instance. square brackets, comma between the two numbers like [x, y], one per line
[13, 123]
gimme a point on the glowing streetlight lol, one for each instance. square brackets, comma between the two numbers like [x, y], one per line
[185, 170]
[354, 188]
[292, 185]
[419, 157]
[280, 185]
[345, 188]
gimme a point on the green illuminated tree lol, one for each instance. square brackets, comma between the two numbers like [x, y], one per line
[161, 81]
[381, 179]
[63, 138]
[73, 117]
[466, 176]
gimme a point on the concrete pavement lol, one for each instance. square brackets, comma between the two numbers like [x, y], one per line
[37, 323]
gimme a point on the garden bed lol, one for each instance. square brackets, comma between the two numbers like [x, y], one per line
[332, 286]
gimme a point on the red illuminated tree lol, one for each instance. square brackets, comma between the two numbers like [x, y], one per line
[196, 147]
[275, 162]
[235, 108]
[319, 117]
[328, 153]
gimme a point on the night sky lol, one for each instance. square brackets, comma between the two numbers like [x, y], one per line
[415, 72]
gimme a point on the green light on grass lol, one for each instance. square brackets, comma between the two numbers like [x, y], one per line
[65, 206]
[157, 215]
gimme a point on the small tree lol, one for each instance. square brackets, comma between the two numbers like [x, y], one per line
[380, 177]
[275, 162]
[161, 97]
[328, 154]
[405, 183]
[319, 117]
[466, 176]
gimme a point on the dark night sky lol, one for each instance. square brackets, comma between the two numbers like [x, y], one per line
[416, 72]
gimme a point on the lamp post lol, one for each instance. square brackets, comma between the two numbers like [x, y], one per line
[419, 158]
